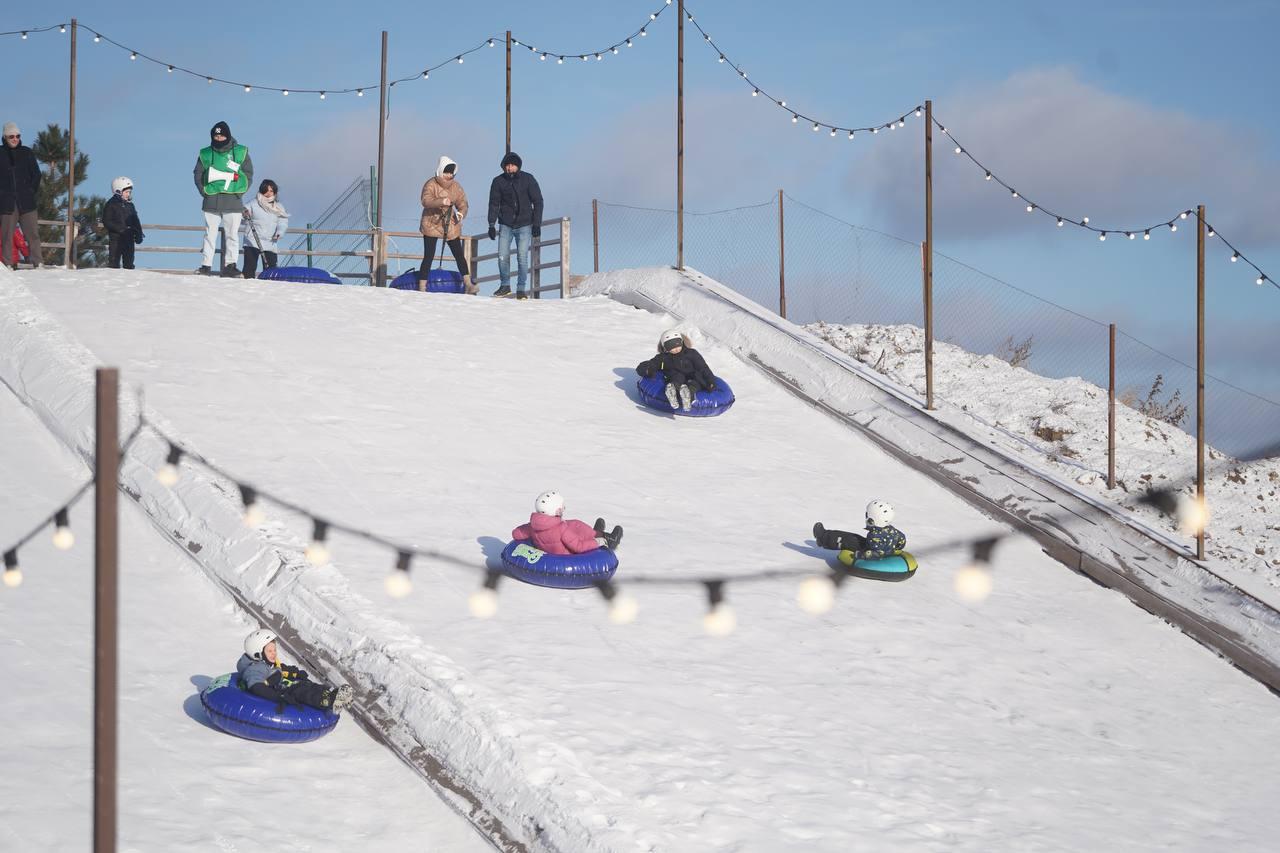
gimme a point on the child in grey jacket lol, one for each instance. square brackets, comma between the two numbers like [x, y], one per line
[263, 674]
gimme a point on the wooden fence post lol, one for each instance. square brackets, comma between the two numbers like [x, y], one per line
[1111, 410]
[564, 257]
[106, 611]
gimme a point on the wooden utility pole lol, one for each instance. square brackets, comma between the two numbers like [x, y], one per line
[69, 239]
[508, 92]
[1201, 508]
[595, 235]
[106, 598]
[928, 254]
[680, 139]
[1111, 411]
[380, 243]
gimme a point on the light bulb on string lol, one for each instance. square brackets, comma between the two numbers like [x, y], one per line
[284, 92]
[62, 28]
[973, 582]
[1014, 192]
[542, 58]
[12, 573]
[209, 80]
[559, 60]
[359, 93]
[1146, 235]
[816, 127]
[317, 551]
[63, 538]
[132, 54]
[795, 119]
[623, 609]
[253, 515]
[1103, 236]
[653, 16]
[719, 620]
[833, 132]
[851, 134]
[643, 31]
[902, 123]
[483, 603]
[629, 43]
[1260, 279]
[398, 584]
[817, 594]
[614, 49]
[491, 42]
[959, 149]
[24, 35]
[722, 57]
[1235, 256]
[1209, 233]
[1129, 234]
[460, 60]
[170, 69]
[755, 93]
[875, 130]
[1030, 208]
[1060, 222]
[248, 88]
[918, 112]
[584, 57]
[1173, 226]
[988, 177]
[322, 96]
[96, 38]
[1184, 214]
[599, 57]
[168, 473]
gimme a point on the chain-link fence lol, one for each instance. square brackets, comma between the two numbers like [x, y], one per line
[840, 273]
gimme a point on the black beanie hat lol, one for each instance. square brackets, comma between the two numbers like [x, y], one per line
[220, 127]
[512, 157]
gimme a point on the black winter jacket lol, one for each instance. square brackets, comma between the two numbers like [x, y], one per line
[19, 179]
[515, 200]
[120, 218]
[687, 364]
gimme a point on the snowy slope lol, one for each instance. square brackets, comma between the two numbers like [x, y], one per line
[182, 784]
[1060, 425]
[1057, 716]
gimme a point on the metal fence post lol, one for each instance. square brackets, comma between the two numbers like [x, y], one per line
[1111, 411]
[782, 261]
[928, 254]
[564, 257]
[309, 227]
[595, 235]
[1200, 324]
[69, 238]
[535, 273]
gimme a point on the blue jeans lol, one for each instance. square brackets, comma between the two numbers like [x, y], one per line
[524, 239]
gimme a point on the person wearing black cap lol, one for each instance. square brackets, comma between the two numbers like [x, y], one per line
[515, 205]
[222, 174]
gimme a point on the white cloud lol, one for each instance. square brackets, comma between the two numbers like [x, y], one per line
[1081, 151]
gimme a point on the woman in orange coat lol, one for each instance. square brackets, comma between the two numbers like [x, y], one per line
[444, 206]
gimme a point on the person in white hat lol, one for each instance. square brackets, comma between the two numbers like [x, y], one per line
[19, 179]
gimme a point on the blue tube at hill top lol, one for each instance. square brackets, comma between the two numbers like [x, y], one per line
[302, 275]
[558, 571]
[706, 404]
[438, 281]
[240, 713]
[895, 567]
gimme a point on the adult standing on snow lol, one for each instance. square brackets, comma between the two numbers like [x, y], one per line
[515, 204]
[265, 223]
[222, 174]
[444, 206]
[19, 179]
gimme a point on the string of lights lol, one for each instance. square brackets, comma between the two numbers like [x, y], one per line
[60, 519]
[561, 56]
[797, 116]
[1083, 222]
[62, 28]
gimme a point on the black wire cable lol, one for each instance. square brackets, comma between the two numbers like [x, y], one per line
[598, 54]
[24, 33]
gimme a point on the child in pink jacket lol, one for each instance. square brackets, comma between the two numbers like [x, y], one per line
[549, 532]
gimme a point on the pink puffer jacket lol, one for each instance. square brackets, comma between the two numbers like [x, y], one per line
[553, 534]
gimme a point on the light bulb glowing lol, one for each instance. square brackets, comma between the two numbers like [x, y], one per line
[722, 57]
[816, 595]
[644, 32]
[1146, 235]
[426, 75]
[24, 35]
[483, 603]
[13, 577]
[782, 103]
[1060, 223]
[209, 80]
[248, 88]
[63, 538]
[322, 96]
[1014, 193]
[1209, 233]
[460, 60]
[170, 69]
[97, 38]
[1129, 234]
[254, 516]
[973, 583]
[1085, 220]
[398, 584]
[1030, 208]
[168, 475]
[1235, 256]
[1184, 214]
[560, 60]
[795, 119]
[988, 176]
[720, 621]
[623, 609]
[628, 42]
[1103, 236]
[1260, 279]
[614, 50]
[958, 149]
[62, 28]
[317, 552]
[1173, 226]
[851, 134]
[918, 112]
[131, 55]
[490, 42]
[1193, 515]
[755, 93]
[285, 92]
[599, 57]
[816, 127]
[359, 93]
[542, 58]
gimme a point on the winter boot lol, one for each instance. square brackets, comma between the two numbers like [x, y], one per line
[230, 271]
[599, 526]
[686, 398]
[469, 288]
[502, 292]
[204, 271]
[342, 697]
[612, 538]
[818, 533]
[422, 284]
[522, 294]
[672, 397]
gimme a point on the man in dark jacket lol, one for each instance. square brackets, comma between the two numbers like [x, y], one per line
[515, 204]
[124, 230]
[19, 180]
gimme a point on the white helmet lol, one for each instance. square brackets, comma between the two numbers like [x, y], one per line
[549, 503]
[670, 336]
[121, 184]
[257, 641]
[879, 513]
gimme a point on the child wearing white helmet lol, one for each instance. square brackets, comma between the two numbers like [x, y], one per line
[882, 539]
[120, 218]
[683, 367]
[263, 674]
[549, 531]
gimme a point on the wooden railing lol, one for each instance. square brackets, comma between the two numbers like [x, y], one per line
[377, 254]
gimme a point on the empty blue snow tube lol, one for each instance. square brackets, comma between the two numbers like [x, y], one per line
[706, 404]
[240, 713]
[897, 567]
[438, 281]
[559, 571]
[304, 275]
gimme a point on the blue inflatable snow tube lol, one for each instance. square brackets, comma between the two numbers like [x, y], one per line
[896, 567]
[240, 713]
[558, 571]
[438, 281]
[706, 404]
[303, 275]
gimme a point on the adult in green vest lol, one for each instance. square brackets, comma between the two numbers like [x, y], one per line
[223, 174]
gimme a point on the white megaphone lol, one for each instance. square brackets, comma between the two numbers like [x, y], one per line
[216, 174]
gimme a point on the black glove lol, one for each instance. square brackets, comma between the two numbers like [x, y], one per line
[711, 386]
[645, 370]
[493, 233]
[137, 238]
[537, 232]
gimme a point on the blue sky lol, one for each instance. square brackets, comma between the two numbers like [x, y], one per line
[1123, 111]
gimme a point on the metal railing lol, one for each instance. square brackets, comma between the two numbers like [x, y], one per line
[377, 254]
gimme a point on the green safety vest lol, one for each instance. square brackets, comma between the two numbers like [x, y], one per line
[221, 161]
